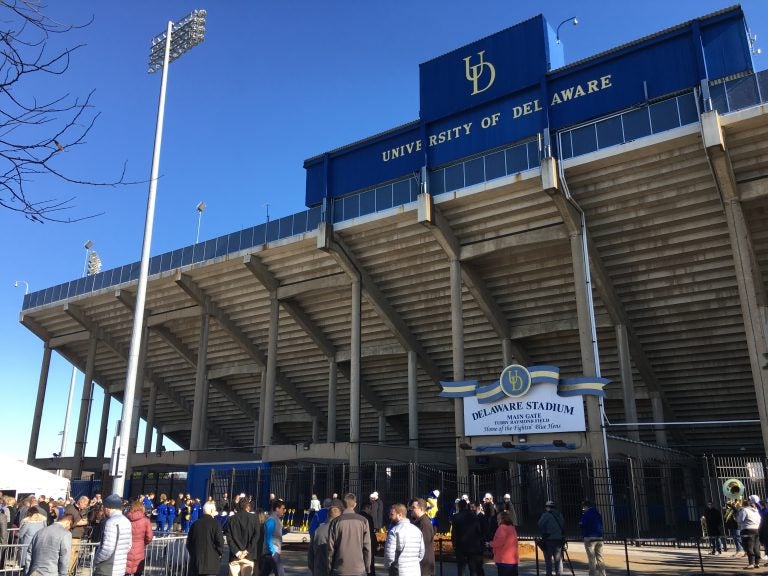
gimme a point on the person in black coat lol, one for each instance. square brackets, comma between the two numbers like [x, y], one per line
[467, 537]
[243, 532]
[714, 520]
[365, 512]
[205, 543]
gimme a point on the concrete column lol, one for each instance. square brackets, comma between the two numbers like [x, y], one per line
[256, 428]
[262, 395]
[137, 395]
[332, 380]
[150, 418]
[315, 429]
[627, 384]
[269, 396]
[457, 342]
[159, 443]
[382, 428]
[506, 352]
[354, 388]
[200, 406]
[658, 416]
[85, 410]
[104, 423]
[42, 384]
[413, 401]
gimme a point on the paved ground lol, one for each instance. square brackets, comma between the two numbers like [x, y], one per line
[645, 560]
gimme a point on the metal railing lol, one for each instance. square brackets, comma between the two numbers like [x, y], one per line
[165, 555]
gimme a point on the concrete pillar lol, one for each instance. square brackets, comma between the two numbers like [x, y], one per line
[658, 416]
[200, 406]
[354, 388]
[150, 418]
[262, 395]
[332, 380]
[315, 429]
[105, 406]
[159, 442]
[382, 428]
[413, 401]
[457, 345]
[137, 395]
[85, 410]
[269, 397]
[506, 352]
[627, 384]
[42, 384]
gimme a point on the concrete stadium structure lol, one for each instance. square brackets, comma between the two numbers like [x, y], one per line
[329, 344]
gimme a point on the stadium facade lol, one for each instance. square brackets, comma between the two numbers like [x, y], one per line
[561, 260]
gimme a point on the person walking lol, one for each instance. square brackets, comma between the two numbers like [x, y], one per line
[714, 520]
[111, 556]
[243, 532]
[273, 540]
[404, 547]
[205, 543]
[418, 513]
[591, 524]
[141, 535]
[467, 539]
[552, 528]
[504, 545]
[317, 557]
[749, 518]
[33, 521]
[349, 542]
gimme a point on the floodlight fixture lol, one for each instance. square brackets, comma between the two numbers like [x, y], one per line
[185, 35]
[571, 19]
[94, 263]
[200, 207]
[26, 285]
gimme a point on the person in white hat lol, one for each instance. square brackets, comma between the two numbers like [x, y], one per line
[377, 511]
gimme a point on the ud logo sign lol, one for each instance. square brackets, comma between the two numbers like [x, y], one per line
[475, 72]
[515, 381]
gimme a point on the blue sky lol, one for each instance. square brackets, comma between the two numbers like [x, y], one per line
[273, 84]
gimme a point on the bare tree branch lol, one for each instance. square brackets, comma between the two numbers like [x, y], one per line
[35, 132]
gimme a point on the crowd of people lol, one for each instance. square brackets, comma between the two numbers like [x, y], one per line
[343, 534]
[745, 522]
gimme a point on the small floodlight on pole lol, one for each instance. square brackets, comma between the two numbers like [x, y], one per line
[200, 207]
[166, 47]
[26, 285]
[573, 19]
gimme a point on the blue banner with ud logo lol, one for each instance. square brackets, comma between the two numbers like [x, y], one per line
[496, 66]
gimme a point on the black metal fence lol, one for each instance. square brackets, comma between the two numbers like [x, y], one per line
[643, 500]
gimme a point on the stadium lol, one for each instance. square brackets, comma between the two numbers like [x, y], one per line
[552, 262]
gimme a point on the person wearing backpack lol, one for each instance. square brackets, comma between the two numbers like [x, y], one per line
[552, 528]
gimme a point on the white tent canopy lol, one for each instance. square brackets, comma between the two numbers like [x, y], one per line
[24, 479]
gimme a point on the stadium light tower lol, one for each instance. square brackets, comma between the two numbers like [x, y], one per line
[167, 46]
[571, 19]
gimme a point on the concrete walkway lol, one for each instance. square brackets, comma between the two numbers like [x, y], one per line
[646, 560]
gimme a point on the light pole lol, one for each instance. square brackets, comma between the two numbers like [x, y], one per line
[166, 47]
[200, 207]
[26, 285]
[89, 269]
[571, 19]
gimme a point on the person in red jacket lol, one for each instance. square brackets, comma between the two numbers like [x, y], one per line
[504, 545]
[141, 535]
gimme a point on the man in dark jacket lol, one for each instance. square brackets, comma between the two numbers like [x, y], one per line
[349, 542]
[714, 520]
[365, 512]
[417, 510]
[243, 535]
[467, 537]
[205, 543]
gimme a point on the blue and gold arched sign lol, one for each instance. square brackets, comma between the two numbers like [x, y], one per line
[515, 381]
[524, 401]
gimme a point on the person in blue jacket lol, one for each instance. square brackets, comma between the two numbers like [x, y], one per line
[591, 524]
[194, 512]
[171, 514]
